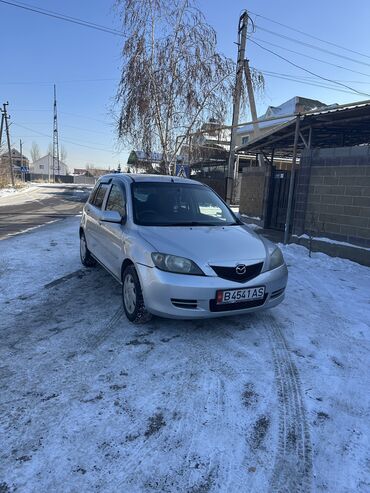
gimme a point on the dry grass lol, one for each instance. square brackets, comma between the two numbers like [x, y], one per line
[6, 183]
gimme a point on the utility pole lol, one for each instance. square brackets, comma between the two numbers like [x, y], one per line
[20, 150]
[56, 165]
[1, 136]
[252, 104]
[1, 128]
[5, 119]
[242, 38]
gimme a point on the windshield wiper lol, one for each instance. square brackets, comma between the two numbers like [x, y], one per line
[199, 223]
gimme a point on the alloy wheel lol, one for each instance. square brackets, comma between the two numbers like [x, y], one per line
[129, 293]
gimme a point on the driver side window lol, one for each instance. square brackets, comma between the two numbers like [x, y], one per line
[116, 200]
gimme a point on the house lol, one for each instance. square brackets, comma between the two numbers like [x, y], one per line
[144, 162]
[294, 105]
[18, 160]
[92, 172]
[44, 166]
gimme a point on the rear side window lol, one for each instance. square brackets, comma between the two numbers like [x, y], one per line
[92, 194]
[116, 201]
[98, 198]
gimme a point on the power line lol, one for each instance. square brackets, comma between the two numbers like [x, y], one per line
[64, 140]
[310, 57]
[310, 35]
[310, 72]
[308, 77]
[28, 109]
[303, 80]
[299, 81]
[85, 117]
[84, 129]
[64, 113]
[22, 83]
[309, 45]
[63, 17]
[87, 130]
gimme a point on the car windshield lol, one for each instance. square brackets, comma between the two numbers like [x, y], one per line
[179, 204]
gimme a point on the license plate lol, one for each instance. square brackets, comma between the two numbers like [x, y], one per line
[240, 295]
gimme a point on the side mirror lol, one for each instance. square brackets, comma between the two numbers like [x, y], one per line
[111, 217]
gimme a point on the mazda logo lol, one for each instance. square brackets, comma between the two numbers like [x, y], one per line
[241, 269]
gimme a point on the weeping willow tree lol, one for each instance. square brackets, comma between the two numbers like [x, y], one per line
[173, 78]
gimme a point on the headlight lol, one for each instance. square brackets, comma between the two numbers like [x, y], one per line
[276, 259]
[172, 263]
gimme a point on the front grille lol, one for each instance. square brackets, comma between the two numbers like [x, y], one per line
[184, 303]
[214, 307]
[230, 273]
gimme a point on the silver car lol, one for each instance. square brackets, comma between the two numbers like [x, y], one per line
[177, 249]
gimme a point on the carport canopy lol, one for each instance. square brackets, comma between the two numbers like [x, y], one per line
[341, 126]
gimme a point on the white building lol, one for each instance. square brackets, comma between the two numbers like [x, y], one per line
[286, 110]
[44, 166]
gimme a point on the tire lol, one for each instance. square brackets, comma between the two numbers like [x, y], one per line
[86, 258]
[132, 297]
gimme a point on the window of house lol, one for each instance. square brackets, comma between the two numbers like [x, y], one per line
[245, 140]
[41, 166]
[116, 200]
[98, 197]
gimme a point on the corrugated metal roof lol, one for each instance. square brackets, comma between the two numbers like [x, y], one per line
[341, 126]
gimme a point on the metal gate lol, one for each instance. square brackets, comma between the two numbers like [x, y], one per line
[278, 199]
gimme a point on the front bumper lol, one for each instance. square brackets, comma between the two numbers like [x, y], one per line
[160, 287]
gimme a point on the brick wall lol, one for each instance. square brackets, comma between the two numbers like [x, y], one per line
[253, 191]
[333, 194]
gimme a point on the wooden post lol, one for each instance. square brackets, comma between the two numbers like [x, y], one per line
[291, 184]
[8, 140]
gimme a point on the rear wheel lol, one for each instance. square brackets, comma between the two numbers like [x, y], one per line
[86, 258]
[132, 297]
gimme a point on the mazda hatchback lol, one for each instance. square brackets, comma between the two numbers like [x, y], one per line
[177, 249]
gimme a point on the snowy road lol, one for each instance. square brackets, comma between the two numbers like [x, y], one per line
[39, 204]
[271, 402]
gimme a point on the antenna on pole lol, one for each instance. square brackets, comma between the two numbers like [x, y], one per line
[56, 165]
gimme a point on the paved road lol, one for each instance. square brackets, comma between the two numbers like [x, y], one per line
[40, 204]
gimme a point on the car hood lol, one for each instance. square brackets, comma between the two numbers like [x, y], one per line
[213, 245]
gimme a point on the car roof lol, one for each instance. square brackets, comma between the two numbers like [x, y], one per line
[136, 177]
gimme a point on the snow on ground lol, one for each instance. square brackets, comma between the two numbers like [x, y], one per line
[268, 402]
[6, 191]
[329, 240]
[31, 192]
[30, 261]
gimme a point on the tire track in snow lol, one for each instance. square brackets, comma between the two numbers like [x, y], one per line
[96, 340]
[194, 469]
[293, 461]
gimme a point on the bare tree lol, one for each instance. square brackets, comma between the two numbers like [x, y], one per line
[63, 153]
[173, 78]
[50, 149]
[35, 152]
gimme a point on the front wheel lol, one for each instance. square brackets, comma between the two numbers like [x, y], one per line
[132, 296]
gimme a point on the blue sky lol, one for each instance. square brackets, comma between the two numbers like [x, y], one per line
[85, 65]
